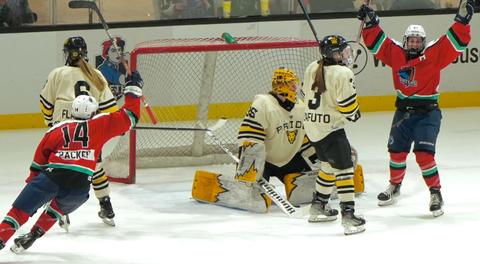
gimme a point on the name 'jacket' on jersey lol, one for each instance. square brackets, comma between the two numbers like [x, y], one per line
[281, 131]
[64, 84]
[328, 111]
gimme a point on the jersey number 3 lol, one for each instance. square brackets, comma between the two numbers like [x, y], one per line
[315, 102]
[80, 135]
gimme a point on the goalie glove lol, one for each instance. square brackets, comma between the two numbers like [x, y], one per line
[465, 11]
[367, 14]
[252, 162]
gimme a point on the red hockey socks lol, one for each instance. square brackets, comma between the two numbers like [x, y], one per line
[49, 217]
[11, 223]
[398, 166]
[426, 161]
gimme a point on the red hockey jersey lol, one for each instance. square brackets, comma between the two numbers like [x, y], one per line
[417, 80]
[75, 145]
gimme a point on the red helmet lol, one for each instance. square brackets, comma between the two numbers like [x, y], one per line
[108, 43]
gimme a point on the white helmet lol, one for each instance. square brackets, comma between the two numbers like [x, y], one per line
[414, 31]
[84, 107]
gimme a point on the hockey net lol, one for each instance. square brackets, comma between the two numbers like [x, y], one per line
[192, 83]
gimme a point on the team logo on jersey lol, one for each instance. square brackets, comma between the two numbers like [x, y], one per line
[407, 76]
[292, 135]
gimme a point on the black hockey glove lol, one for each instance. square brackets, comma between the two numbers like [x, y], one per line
[465, 11]
[134, 80]
[367, 14]
[355, 117]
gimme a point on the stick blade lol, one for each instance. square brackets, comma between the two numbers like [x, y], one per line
[81, 4]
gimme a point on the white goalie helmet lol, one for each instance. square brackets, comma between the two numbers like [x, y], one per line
[84, 107]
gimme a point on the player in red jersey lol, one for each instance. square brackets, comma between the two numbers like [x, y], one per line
[64, 164]
[416, 70]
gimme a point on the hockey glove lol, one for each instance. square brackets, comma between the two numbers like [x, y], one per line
[133, 90]
[355, 117]
[134, 79]
[465, 11]
[367, 14]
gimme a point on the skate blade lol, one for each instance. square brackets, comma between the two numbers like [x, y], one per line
[437, 213]
[64, 222]
[16, 249]
[351, 230]
[321, 218]
[109, 221]
[385, 203]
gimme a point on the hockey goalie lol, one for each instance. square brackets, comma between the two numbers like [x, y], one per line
[272, 143]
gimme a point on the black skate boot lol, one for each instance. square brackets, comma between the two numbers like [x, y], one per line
[320, 211]
[352, 224]
[436, 202]
[2, 245]
[64, 222]
[388, 196]
[23, 242]
[106, 211]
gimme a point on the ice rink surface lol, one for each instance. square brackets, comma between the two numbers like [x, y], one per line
[159, 222]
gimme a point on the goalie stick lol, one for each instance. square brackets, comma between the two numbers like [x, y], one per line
[75, 4]
[269, 189]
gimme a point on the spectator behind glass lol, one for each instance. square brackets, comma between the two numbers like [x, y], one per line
[323, 6]
[198, 8]
[279, 7]
[242, 8]
[20, 13]
[412, 4]
[6, 19]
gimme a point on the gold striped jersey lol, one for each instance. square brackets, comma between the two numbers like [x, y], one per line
[63, 85]
[281, 131]
[328, 112]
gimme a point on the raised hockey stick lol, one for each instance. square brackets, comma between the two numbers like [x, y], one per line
[269, 189]
[75, 4]
[304, 10]
[216, 126]
[362, 23]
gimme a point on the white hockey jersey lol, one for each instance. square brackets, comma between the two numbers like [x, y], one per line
[328, 112]
[281, 131]
[63, 85]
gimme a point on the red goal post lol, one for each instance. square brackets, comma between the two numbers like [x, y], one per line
[196, 81]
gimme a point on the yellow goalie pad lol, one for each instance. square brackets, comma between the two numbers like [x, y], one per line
[219, 189]
[358, 182]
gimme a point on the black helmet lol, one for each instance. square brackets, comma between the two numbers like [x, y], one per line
[74, 49]
[332, 47]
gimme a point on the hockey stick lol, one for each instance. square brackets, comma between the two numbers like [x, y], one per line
[362, 23]
[302, 6]
[216, 126]
[269, 189]
[75, 4]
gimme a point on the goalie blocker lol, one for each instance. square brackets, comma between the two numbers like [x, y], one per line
[225, 190]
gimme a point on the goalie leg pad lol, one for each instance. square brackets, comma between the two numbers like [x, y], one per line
[358, 181]
[219, 189]
[252, 162]
[300, 187]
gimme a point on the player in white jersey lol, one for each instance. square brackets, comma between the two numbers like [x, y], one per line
[331, 100]
[65, 83]
[272, 143]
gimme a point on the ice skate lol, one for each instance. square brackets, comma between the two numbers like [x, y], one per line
[106, 211]
[64, 222]
[23, 242]
[389, 196]
[321, 211]
[436, 202]
[352, 224]
[2, 245]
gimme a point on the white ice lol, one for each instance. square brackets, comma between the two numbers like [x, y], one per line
[159, 222]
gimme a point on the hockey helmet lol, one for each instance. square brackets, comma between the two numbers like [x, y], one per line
[74, 48]
[414, 31]
[84, 107]
[336, 50]
[283, 81]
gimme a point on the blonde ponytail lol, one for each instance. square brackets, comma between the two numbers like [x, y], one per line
[92, 74]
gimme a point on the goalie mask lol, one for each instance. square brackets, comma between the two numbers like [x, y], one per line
[84, 107]
[414, 41]
[74, 48]
[284, 83]
[335, 50]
